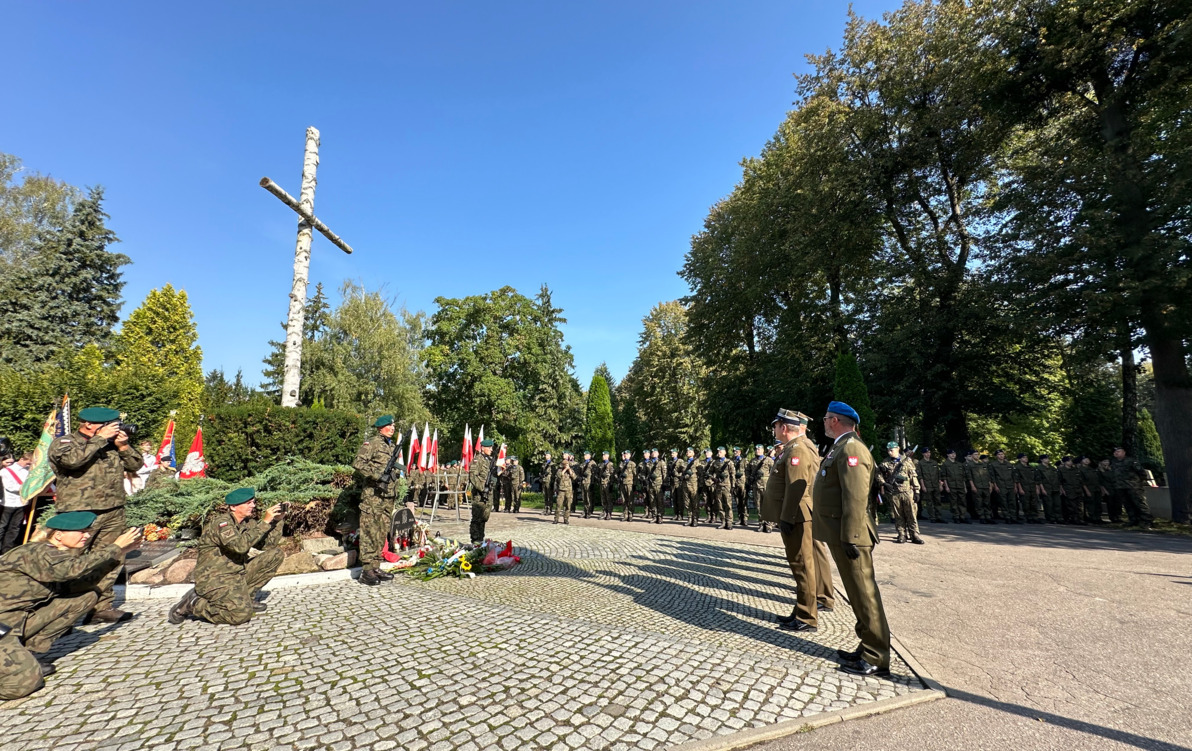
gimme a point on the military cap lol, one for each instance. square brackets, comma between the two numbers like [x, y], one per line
[587, 453]
[892, 445]
[842, 409]
[383, 420]
[71, 521]
[674, 451]
[791, 417]
[605, 452]
[98, 414]
[1119, 448]
[513, 458]
[488, 442]
[1022, 456]
[736, 448]
[1044, 456]
[1066, 459]
[689, 448]
[1000, 451]
[949, 452]
[926, 450]
[239, 496]
[720, 448]
[759, 446]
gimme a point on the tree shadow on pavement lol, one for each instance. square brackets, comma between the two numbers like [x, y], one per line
[1057, 536]
[1120, 736]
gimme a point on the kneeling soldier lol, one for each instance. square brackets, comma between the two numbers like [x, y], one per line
[32, 612]
[226, 580]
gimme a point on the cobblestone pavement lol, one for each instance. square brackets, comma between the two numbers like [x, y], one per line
[600, 639]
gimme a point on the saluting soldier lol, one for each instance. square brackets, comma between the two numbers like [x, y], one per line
[1001, 473]
[1071, 492]
[841, 500]
[976, 474]
[625, 476]
[226, 578]
[606, 474]
[45, 586]
[1129, 487]
[759, 476]
[548, 483]
[377, 499]
[565, 476]
[787, 501]
[1092, 486]
[482, 464]
[1047, 483]
[89, 466]
[1026, 486]
[899, 480]
[930, 485]
[954, 486]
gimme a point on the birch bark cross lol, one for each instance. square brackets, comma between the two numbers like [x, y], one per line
[307, 221]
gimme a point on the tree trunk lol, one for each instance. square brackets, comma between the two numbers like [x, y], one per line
[1173, 417]
[294, 326]
[1129, 398]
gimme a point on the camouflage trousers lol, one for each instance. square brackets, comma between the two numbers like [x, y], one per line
[588, 499]
[905, 513]
[656, 500]
[20, 675]
[376, 516]
[678, 497]
[481, 511]
[231, 604]
[930, 501]
[608, 495]
[107, 527]
[627, 499]
[741, 504]
[722, 502]
[563, 504]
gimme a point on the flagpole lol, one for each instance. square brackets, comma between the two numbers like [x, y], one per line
[32, 514]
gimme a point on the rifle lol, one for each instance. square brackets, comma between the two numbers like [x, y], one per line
[897, 466]
[387, 476]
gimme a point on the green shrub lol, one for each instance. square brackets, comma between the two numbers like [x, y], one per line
[246, 440]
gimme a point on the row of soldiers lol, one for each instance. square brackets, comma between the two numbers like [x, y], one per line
[723, 488]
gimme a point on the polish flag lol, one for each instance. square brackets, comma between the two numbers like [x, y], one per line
[480, 440]
[195, 464]
[165, 453]
[434, 452]
[424, 455]
[501, 456]
[466, 455]
[412, 465]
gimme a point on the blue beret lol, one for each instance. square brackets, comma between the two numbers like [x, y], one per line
[842, 409]
[98, 414]
[383, 420]
[239, 496]
[72, 521]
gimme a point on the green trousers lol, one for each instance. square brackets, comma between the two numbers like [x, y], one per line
[20, 674]
[231, 602]
[930, 500]
[982, 503]
[860, 586]
[376, 517]
[481, 510]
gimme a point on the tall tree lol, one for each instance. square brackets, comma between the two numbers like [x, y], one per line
[68, 292]
[599, 434]
[29, 207]
[850, 388]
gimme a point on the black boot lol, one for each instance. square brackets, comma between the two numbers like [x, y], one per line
[183, 608]
[369, 577]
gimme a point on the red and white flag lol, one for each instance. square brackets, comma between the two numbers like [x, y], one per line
[165, 453]
[412, 465]
[501, 456]
[195, 464]
[434, 452]
[466, 454]
[480, 440]
[424, 455]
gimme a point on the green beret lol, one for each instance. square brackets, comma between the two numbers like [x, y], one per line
[383, 420]
[72, 521]
[488, 442]
[720, 448]
[892, 445]
[759, 446]
[98, 414]
[239, 496]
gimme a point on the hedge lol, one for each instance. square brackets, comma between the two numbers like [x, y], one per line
[246, 440]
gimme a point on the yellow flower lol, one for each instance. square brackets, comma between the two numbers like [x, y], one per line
[465, 566]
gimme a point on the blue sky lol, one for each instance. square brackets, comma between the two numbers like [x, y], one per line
[465, 146]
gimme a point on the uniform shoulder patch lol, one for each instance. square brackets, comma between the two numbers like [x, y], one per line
[794, 461]
[852, 461]
[222, 525]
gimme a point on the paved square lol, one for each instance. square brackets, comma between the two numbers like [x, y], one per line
[600, 639]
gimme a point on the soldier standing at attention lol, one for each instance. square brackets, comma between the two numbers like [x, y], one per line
[1071, 492]
[759, 477]
[1105, 475]
[376, 502]
[1025, 486]
[519, 480]
[674, 482]
[976, 475]
[625, 483]
[954, 485]
[478, 478]
[690, 483]
[548, 483]
[739, 467]
[899, 480]
[226, 579]
[708, 485]
[586, 472]
[655, 482]
[565, 476]
[507, 486]
[1047, 482]
[725, 480]
[1092, 487]
[930, 485]
[89, 465]
[606, 474]
[787, 502]
[1129, 483]
[38, 603]
[841, 500]
[1001, 474]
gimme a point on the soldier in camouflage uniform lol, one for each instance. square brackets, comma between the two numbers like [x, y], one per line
[89, 466]
[481, 468]
[722, 471]
[226, 578]
[674, 483]
[44, 587]
[1129, 488]
[1072, 492]
[929, 487]
[1092, 483]
[376, 503]
[606, 475]
[707, 486]
[654, 483]
[1025, 486]
[898, 482]
[565, 476]
[758, 472]
[1105, 475]
[1001, 474]
[954, 486]
[585, 474]
[976, 476]
[1047, 481]
[512, 480]
[625, 477]
[548, 483]
[739, 496]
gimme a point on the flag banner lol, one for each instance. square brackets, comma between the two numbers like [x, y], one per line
[412, 464]
[41, 474]
[165, 453]
[434, 452]
[465, 456]
[480, 440]
[501, 456]
[195, 464]
[424, 454]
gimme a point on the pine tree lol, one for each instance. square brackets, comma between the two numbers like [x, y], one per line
[598, 427]
[315, 325]
[68, 294]
[850, 388]
[1150, 449]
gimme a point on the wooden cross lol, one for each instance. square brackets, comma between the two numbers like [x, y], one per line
[305, 208]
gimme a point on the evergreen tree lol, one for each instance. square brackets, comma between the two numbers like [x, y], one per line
[35, 205]
[315, 324]
[67, 294]
[598, 427]
[850, 388]
[1150, 449]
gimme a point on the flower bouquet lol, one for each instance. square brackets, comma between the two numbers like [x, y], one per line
[447, 557]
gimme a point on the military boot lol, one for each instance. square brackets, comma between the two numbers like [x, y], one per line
[369, 577]
[183, 608]
[383, 575]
